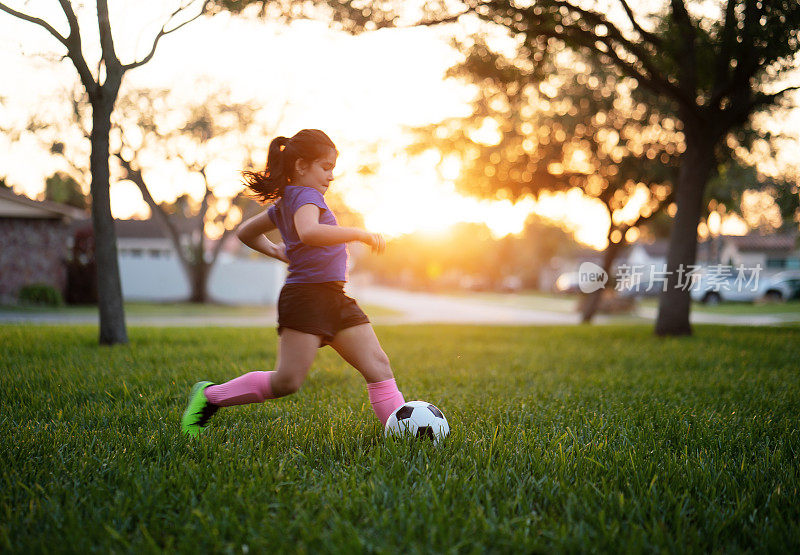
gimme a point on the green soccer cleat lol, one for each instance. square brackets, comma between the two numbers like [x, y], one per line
[199, 411]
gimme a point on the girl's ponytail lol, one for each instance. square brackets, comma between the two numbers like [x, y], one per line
[269, 184]
[307, 144]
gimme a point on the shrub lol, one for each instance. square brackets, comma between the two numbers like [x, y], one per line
[40, 293]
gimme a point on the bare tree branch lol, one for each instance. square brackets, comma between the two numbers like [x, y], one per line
[587, 39]
[76, 113]
[164, 31]
[75, 49]
[761, 100]
[436, 21]
[71, 41]
[220, 243]
[37, 21]
[135, 175]
[739, 111]
[106, 38]
[648, 75]
[654, 77]
[656, 41]
[598, 19]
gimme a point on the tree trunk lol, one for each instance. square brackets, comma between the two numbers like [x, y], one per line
[675, 303]
[591, 303]
[109, 288]
[199, 281]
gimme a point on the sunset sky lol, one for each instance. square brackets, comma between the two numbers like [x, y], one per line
[361, 90]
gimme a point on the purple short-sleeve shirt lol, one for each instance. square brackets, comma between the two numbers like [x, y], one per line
[308, 264]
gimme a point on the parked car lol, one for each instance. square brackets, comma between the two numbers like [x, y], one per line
[568, 283]
[714, 289]
[783, 286]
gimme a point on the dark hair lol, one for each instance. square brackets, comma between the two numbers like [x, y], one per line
[307, 144]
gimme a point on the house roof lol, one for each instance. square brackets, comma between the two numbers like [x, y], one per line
[756, 242]
[13, 205]
[151, 228]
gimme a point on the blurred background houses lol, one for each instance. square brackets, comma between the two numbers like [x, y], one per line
[46, 243]
[34, 242]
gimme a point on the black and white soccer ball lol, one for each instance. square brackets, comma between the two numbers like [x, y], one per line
[418, 419]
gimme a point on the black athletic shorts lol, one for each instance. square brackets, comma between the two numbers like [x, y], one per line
[318, 308]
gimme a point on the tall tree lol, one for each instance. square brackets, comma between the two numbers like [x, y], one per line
[714, 72]
[102, 88]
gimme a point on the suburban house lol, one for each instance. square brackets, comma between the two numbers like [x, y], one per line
[146, 238]
[773, 253]
[150, 269]
[34, 243]
[36, 238]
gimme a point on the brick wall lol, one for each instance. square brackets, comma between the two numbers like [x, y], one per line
[31, 251]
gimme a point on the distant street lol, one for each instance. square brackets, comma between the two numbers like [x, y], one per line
[407, 307]
[419, 308]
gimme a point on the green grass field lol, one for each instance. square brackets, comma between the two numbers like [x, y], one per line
[564, 439]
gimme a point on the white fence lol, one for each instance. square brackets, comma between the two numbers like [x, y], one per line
[232, 280]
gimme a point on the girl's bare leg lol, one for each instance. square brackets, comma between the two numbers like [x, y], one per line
[359, 346]
[296, 353]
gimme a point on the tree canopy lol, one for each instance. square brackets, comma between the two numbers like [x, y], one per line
[706, 75]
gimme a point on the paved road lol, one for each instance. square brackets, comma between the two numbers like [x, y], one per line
[419, 308]
[414, 308]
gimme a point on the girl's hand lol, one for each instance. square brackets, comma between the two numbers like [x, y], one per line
[375, 241]
[279, 252]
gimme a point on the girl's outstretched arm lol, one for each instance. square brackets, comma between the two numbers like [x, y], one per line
[311, 232]
[251, 233]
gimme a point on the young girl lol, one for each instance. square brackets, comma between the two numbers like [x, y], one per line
[313, 310]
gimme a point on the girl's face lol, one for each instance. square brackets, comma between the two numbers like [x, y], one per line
[317, 174]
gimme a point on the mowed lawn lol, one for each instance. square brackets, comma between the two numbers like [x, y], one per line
[563, 439]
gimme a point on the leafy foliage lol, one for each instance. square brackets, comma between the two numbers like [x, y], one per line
[574, 128]
[63, 188]
[40, 294]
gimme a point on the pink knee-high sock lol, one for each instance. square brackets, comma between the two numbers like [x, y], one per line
[384, 398]
[253, 387]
